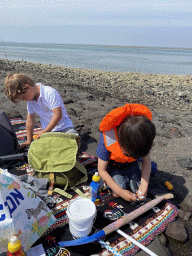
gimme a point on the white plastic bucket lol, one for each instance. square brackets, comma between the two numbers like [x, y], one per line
[80, 232]
[81, 213]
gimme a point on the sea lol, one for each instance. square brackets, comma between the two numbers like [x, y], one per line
[153, 60]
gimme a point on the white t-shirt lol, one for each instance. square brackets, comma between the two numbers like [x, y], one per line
[49, 99]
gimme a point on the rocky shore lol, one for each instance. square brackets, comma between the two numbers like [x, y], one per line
[89, 95]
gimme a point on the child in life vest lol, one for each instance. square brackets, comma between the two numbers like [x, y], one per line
[127, 135]
[42, 100]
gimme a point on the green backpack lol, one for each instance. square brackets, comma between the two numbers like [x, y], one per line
[54, 156]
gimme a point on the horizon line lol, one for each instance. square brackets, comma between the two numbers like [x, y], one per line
[103, 45]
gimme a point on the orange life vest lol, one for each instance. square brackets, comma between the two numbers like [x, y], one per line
[113, 119]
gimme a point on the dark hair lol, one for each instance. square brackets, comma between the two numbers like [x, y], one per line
[15, 84]
[135, 135]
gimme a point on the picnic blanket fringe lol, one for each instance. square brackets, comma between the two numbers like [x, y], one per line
[145, 233]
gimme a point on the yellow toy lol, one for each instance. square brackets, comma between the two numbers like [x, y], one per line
[35, 136]
[169, 185]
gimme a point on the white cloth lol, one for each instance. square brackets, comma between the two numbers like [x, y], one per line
[49, 99]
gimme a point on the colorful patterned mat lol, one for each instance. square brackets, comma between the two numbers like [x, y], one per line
[143, 229]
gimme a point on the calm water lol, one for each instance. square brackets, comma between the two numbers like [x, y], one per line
[106, 58]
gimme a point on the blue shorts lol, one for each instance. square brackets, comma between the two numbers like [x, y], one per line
[127, 175]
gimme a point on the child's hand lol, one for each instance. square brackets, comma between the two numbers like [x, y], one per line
[141, 193]
[38, 135]
[25, 144]
[128, 196]
[132, 197]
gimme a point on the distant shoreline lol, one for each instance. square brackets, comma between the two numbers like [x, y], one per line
[100, 45]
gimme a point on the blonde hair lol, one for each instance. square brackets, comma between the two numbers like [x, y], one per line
[15, 84]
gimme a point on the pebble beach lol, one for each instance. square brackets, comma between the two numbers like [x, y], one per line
[89, 95]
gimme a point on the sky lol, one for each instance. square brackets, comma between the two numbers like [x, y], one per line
[27, 21]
